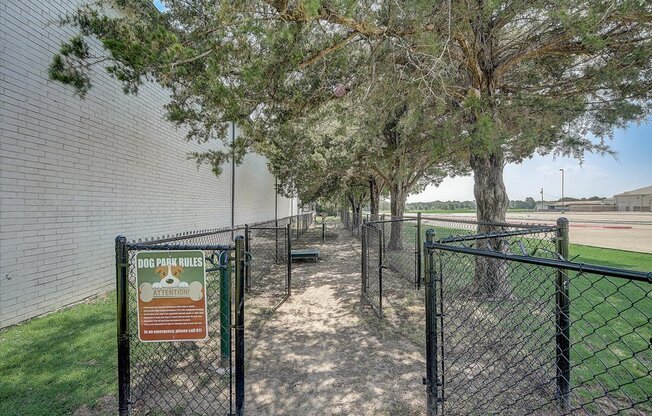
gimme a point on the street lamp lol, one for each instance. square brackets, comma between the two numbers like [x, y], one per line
[563, 208]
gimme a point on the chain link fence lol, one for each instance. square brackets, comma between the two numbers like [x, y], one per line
[180, 377]
[514, 328]
[402, 248]
[372, 267]
[352, 221]
[270, 271]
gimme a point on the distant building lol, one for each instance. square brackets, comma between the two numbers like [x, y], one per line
[637, 200]
[578, 206]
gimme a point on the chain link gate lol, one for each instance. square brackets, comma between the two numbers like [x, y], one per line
[514, 328]
[185, 377]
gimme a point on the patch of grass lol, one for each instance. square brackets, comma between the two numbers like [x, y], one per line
[611, 257]
[59, 363]
[610, 326]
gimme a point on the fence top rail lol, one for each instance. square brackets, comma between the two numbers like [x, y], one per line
[266, 228]
[397, 219]
[426, 217]
[560, 264]
[541, 229]
[213, 231]
[171, 247]
[186, 236]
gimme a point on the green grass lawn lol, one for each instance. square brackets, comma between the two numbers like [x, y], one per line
[60, 363]
[610, 328]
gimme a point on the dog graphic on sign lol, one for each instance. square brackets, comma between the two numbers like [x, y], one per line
[169, 277]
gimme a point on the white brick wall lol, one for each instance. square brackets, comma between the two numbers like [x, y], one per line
[74, 174]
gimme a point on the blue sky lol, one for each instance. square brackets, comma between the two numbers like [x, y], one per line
[598, 175]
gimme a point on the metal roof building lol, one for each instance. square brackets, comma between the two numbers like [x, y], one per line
[637, 200]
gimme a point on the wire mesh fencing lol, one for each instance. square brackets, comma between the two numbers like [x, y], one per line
[177, 376]
[302, 223]
[352, 221]
[270, 270]
[326, 228]
[402, 248]
[372, 267]
[515, 328]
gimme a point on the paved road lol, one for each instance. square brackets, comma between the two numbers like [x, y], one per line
[621, 230]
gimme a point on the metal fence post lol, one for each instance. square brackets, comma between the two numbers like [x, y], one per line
[122, 285]
[276, 235]
[364, 258]
[382, 219]
[380, 276]
[288, 232]
[298, 221]
[239, 325]
[563, 319]
[323, 231]
[247, 248]
[225, 304]
[419, 253]
[431, 380]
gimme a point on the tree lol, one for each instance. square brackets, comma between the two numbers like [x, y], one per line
[514, 77]
[530, 203]
[528, 76]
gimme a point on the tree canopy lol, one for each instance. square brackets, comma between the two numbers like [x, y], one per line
[338, 93]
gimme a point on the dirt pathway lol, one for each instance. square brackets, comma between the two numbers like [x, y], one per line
[323, 352]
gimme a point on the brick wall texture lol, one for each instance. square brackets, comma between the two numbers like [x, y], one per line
[76, 173]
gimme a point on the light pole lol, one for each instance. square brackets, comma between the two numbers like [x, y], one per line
[563, 208]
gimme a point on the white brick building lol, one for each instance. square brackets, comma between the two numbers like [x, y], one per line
[76, 173]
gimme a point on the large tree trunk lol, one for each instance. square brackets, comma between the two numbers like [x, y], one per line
[398, 196]
[374, 204]
[491, 275]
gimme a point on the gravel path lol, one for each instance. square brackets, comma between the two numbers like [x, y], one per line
[323, 352]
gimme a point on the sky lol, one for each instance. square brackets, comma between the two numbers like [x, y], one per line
[598, 175]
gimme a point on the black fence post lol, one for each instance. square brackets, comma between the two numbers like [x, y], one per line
[276, 235]
[225, 304]
[323, 230]
[288, 232]
[298, 220]
[380, 275]
[382, 219]
[122, 285]
[419, 253]
[247, 249]
[563, 319]
[364, 258]
[431, 380]
[239, 324]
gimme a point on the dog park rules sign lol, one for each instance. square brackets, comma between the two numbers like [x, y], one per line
[171, 296]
